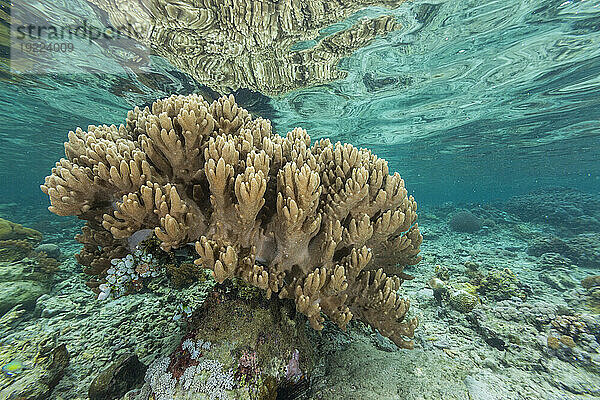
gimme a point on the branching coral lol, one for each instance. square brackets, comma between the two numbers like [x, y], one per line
[323, 224]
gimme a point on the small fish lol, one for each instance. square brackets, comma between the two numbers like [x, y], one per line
[13, 368]
[138, 237]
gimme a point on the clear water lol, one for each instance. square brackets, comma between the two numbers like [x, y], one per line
[472, 102]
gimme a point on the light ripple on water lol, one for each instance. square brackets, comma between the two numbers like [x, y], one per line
[467, 100]
[496, 90]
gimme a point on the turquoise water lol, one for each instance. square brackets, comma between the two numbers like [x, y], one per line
[476, 105]
[469, 102]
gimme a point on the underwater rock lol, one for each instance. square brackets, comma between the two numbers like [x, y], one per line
[491, 336]
[12, 231]
[19, 292]
[37, 383]
[383, 343]
[51, 249]
[550, 261]
[124, 374]
[14, 250]
[485, 386]
[559, 280]
[240, 346]
[592, 294]
[547, 244]
[590, 281]
[465, 221]
[584, 250]
[38, 269]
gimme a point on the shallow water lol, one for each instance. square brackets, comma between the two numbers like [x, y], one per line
[491, 109]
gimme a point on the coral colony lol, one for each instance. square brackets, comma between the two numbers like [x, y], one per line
[321, 223]
[126, 274]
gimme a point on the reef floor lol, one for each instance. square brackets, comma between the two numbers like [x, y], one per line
[503, 315]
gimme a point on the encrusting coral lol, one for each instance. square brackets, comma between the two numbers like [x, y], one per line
[323, 224]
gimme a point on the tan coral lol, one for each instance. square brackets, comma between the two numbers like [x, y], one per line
[325, 224]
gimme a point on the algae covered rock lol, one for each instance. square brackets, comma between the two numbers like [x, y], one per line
[16, 241]
[12, 231]
[19, 292]
[38, 381]
[239, 346]
[51, 249]
[125, 373]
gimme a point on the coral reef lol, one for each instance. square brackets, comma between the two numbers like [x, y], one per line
[566, 209]
[250, 45]
[325, 225]
[576, 339]
[581, 249]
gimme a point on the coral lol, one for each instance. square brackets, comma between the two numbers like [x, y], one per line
[16, 241]
[48, 265]
[502, 285]
[463, 297]
[184, 274]
[576, 339]
[592, 294]
[581, 249]
[441, 271]
[12, 231]
[551, 261]
[251, 44]
[566, 209]
[553, 342]
[325, 225]
[548, 244]
[248, 369]
[465, 221]
[127, 274]
[14, 250]
[571, 325]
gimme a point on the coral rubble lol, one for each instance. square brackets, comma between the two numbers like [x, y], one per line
[325, 225]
